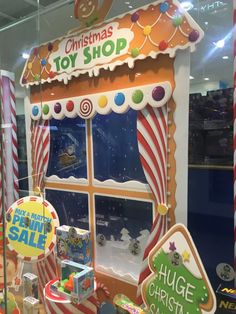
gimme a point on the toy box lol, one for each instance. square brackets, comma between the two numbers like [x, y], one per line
[76, 283]
[30, 305]
[74, 244]
[30, 285]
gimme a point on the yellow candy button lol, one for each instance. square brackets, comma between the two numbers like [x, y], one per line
[102, 101]
[30, 65]
[162, 209]
[147, 30]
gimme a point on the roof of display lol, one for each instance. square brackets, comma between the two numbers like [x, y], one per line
[124, 39]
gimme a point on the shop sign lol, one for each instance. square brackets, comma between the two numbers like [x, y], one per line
[178, 282]
[212, 6]
[99, 46]
[30, 231]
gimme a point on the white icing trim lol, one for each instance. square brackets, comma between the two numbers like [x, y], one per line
[126, 277]
[91, 106]
[130, 60]
[128, 185]
[70, 180]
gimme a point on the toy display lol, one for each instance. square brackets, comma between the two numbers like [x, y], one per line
[125, 305]
[53, 301]
[30, 285]
[226, 300]
[90, 81]
[76, 283]
[74, 244]
[30, 305]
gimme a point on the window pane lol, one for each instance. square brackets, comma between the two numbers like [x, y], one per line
[67, 148]
[71, 207]
[116, 154]
[122, 230]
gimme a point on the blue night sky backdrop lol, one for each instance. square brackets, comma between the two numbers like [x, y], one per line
[115, 148]
[116, 154]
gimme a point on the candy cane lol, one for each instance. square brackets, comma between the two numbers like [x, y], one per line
[9, 162]
[14, 141]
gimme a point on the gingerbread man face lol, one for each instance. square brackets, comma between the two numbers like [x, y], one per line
[85, 8]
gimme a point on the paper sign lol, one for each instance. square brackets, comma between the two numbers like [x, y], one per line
[178, 282]
[31, 224]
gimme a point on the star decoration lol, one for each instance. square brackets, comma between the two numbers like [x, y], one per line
[172, 246]
[186, 256]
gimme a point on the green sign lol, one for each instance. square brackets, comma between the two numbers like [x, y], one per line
[178, 282]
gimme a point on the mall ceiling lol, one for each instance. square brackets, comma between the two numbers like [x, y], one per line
[20, 21]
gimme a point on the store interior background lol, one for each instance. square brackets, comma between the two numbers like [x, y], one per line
[28, 23]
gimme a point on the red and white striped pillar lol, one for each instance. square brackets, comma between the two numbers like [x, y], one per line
[9, 163]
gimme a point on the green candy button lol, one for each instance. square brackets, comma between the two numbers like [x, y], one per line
[177, 20]
[45, 109]
[134, 52]
[137, 96]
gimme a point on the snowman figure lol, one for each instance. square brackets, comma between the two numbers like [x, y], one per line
[134, 247]
[101, 239]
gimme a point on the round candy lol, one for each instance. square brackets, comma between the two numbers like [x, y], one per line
[36, 51]
[162, 209]
[43, 62]
[158, 93]
[147, 30]
[177, 20]
[134, 52]
[24, 80]
[193, 36]
[30, 65]
[45, 109]
[37, 77]
[137, 96]
[51, 74]
[57, 107]
[164, 7]
[119, 99]
[163, 45]
[134, 17]
[50, 47]
[70, 106]
[102, 101]
[35, 110]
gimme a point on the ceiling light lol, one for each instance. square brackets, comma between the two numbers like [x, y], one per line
[220, 43]
[191, 77]
[206, 23]
[186, 5]
[25, 55]
[127, 2]
[130, 6]
[225, 57]
[206, 79]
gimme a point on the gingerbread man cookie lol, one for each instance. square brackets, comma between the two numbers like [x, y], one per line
[88, 12]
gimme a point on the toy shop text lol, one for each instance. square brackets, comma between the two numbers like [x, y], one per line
[95, 47]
